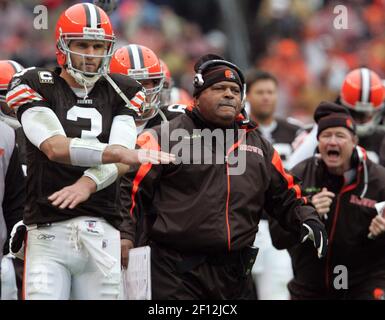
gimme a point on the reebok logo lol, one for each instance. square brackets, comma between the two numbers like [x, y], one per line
[44, 236]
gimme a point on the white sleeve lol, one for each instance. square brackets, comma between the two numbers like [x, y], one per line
[103, 175]
[123, 131]
[39, 124]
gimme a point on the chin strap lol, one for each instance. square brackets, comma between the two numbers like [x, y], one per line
[82, 80]
[121, 93]
[86, 90]
[162, 115]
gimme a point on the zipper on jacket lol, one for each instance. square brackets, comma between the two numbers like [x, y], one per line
[227, 207]
[231, 149]
[328, 256]
[334, 225]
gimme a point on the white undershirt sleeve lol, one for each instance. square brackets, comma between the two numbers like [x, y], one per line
[123, 131]
[39, 124]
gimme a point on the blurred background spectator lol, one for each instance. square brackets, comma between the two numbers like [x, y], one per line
[295, 40]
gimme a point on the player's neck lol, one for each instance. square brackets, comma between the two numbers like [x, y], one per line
[69, 79]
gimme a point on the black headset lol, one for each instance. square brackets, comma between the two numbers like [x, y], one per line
[198, 78]
[356, 159]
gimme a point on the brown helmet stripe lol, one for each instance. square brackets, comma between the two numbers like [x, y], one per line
[136, 57]
[92, 15]
[88, 15]
[98, 19]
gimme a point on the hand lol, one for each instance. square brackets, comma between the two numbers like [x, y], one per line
[137, 157]
[377, 226]
[322, 202]
[125, 246]
[316, 232]
[74, 194]
[16, 242]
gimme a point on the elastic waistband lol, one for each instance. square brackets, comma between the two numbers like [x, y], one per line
[38, 226]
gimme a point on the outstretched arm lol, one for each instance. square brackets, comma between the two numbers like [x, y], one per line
[44, 130]
[286, 204]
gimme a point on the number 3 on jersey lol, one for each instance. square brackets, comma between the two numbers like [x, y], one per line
[87, 113]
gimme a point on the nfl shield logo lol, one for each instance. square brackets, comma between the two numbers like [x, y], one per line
[91, 224]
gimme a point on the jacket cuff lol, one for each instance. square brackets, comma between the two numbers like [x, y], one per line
[307, 212]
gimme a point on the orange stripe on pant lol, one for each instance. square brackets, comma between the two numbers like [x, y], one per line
[23, 289]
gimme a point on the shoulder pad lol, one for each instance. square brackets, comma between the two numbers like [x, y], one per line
[29, 85]
[32, 76]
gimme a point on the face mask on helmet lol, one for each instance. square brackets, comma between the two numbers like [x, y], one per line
[152, 88]
[77, 62]
[165, 95]
[141, 64]
[79, 27]
[366, 122]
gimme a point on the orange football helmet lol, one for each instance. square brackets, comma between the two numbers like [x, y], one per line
[141, 64]
[363, 93]
[8, 69]
[89, 22]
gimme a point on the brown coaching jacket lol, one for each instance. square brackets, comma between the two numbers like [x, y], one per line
[347, 226]
[201, 207]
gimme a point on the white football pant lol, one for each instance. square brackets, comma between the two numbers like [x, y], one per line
[73, 259]
[8, 279]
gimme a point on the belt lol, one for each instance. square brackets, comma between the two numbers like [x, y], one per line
[38, 226]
